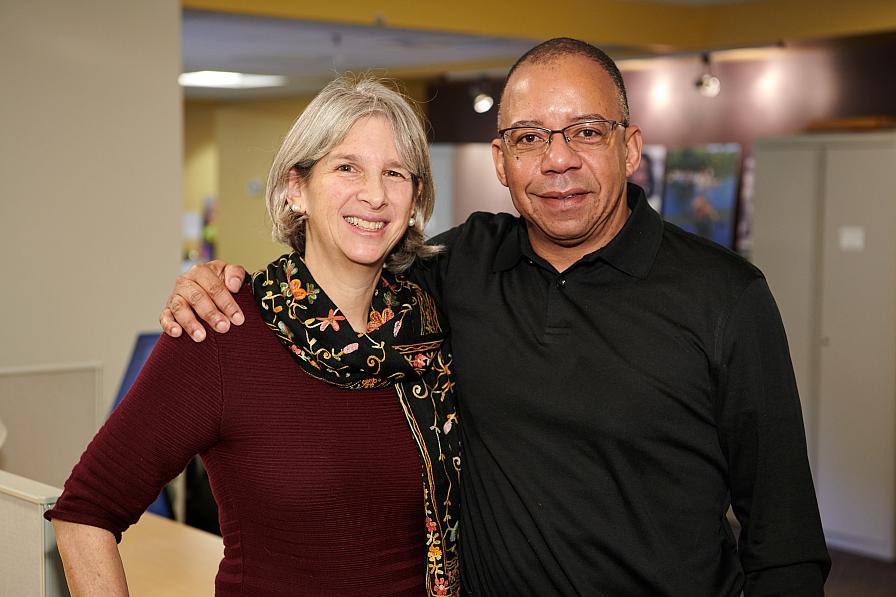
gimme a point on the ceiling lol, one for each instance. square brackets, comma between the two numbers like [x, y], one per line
[310, 43]
[310, 53]
[694, 2]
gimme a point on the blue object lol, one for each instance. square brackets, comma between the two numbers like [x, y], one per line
[142, 348]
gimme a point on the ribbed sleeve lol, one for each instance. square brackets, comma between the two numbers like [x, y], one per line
[150, 437]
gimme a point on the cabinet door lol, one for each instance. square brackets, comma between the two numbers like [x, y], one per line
[786, 230]
[856, 462]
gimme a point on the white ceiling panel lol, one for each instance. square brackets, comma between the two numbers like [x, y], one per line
[310, 53]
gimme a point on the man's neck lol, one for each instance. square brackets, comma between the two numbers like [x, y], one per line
[561, 256]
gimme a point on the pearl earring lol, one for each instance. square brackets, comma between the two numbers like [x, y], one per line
[411, 222]
[300, 214]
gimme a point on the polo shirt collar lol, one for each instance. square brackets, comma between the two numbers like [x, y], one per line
[510, 251]
[632, 251]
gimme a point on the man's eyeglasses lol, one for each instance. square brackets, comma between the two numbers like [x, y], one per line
[580, 136]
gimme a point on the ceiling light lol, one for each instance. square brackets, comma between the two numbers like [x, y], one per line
[226, 80]
[708, 84]
[480, 93]
[482, 103]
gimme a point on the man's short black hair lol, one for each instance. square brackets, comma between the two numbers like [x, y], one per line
[559, 47]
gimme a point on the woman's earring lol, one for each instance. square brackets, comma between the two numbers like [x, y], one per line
[411, 222]
[297, 211]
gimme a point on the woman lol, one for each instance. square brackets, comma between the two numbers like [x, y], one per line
[317, 472]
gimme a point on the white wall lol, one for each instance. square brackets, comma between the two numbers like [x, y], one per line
[51, 414]
[442, 157]
[465, 180]
[476, 187]
[90, 159]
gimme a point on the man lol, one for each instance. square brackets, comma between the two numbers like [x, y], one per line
[621, 381]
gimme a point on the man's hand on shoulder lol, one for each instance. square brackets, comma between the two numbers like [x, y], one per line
[204, 290]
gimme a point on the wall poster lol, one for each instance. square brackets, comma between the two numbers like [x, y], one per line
[700, 193]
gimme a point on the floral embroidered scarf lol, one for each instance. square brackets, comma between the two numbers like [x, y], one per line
[403, 346]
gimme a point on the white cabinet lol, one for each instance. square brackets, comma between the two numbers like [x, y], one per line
[824, 233]
[29, 562]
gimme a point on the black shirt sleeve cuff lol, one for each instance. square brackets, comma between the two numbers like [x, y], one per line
[798, 580]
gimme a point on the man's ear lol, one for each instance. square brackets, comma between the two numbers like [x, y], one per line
[498, 159]
[633, 144]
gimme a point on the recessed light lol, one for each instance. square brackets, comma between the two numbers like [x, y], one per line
[227, 80]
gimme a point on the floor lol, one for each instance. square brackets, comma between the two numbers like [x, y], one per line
[857, 576]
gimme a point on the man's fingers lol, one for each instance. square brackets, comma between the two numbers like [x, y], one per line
[201, 291]
[186, 318]
[210, 278]
[169, 326]
[233, 279]
[234, 276]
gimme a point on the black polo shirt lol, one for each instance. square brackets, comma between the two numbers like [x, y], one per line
[611, 413]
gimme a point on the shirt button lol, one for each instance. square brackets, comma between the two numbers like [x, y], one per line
[561, 282]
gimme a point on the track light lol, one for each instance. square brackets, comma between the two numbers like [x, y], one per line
[482, 103]
[481, 96]
[708, 84]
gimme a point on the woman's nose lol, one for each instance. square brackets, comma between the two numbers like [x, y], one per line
[373, 192]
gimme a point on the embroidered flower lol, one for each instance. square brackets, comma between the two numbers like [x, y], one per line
[295, 287]
[435, 553]
[377, 318]
[370, 382]
[331, 320]
[430, 525]
[441, 586]
[350, 348]
[311, 292]
[420, 361]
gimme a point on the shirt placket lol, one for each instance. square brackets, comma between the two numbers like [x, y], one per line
[557, 324]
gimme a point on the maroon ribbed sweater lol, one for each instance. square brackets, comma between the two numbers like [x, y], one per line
[319, 489]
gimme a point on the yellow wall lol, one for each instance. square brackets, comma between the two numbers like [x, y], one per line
[248, 135]
[200, 172]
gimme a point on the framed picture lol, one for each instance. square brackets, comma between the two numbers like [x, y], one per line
[649, 175]
[700, 192]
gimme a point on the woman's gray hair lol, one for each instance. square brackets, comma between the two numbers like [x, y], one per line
[322, 126]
